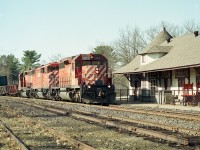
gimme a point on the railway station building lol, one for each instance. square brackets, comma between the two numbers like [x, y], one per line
[166, 70]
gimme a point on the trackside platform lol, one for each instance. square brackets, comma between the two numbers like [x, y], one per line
[155, 105]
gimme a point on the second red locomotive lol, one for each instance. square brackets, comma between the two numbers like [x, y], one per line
[82, 78]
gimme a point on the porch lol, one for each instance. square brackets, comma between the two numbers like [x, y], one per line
[173, 97]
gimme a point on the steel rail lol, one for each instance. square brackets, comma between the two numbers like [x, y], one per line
[151, 124]
[131, 128]
[183, 141]
[13, 136]
[158, 125]
[150, 112]
[142, 111]
[63, 137]
[135, 129]
[167, 127]
[80, 145]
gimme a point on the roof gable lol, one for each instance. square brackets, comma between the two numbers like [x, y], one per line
[160, 38]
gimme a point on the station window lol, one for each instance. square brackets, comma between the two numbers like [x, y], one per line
[153, 74]
[143, 59]
[153, 84]
[182, 73]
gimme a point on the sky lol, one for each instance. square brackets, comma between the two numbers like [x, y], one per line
[71, 27]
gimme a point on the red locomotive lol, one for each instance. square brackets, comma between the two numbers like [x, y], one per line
[82, 78]
[38, 82]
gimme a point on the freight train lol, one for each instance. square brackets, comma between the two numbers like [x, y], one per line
[81, 78]
[5, 89]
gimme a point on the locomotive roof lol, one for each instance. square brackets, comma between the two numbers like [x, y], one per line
[76, 56]
[68, 58]
[49, 64]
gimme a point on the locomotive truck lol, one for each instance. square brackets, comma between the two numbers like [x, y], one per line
[82, 78]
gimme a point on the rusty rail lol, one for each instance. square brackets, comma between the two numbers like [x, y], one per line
[63, 137]
[13, 136]
[150, 112]
[145, 111]
[134, 129]
[156, 134]
[76, 143]
[151, 124]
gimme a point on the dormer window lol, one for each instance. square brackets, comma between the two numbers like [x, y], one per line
[143, 59]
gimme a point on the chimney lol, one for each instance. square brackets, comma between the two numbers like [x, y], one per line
[196, 33]
[168, 40]
[164, 29]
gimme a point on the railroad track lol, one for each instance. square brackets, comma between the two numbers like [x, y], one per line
[85, 131]
[25, 132]
[157, 113]
[159, 131]
[26, 126]
[161, 112]
[13, 136]
[150, 124]
[186, 136]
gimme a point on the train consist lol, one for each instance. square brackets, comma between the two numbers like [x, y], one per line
[82, 78]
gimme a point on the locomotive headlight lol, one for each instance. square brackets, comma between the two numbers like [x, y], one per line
[89, 86]
[97, 70]
[109, 86]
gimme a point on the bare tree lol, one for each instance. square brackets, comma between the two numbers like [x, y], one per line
[130, 42]
[174, 30]
[191, 26]
[152, 32]
[55, 58]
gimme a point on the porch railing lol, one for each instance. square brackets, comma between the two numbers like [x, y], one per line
[158, 96]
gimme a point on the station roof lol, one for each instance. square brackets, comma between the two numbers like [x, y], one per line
[180, 52]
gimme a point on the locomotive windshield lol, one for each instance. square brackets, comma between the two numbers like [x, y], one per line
[51, 68]
[90, 62]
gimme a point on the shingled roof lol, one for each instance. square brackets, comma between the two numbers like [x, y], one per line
[185, 53]
[130, 67]
[181, 52]
[160, 38]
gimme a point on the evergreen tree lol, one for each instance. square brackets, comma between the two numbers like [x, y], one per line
[30, 59]
[10, 67]
[109, 53]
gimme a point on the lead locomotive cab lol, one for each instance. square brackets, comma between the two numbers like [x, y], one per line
[86, 78]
